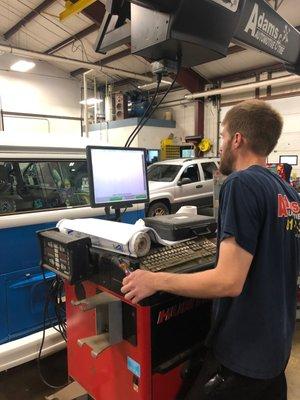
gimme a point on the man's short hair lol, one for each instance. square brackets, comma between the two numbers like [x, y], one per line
[258, 122]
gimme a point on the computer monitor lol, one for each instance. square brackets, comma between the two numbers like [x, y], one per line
[187, 152]
[117, 176]
[292, 160]
[152, 156]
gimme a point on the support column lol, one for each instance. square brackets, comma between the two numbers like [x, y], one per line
[191, 81]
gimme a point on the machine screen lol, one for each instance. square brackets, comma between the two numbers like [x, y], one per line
[152, 156]
[117, 176]
[292, 160]
[187, 152]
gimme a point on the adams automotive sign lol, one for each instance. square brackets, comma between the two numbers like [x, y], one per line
[266, 31]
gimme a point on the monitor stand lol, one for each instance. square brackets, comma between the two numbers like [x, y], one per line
[118, 215]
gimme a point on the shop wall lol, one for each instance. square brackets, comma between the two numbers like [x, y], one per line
[44, 90]
[289, 142]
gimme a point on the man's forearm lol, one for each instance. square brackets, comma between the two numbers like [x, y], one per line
[206, 284]
[227, 279]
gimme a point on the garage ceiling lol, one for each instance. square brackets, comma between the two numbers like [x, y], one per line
[44, 32]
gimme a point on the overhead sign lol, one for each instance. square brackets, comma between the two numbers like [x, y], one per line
[268, 30]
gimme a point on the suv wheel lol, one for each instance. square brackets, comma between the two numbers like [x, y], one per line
[158, 208]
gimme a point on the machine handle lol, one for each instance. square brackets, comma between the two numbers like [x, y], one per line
[199, 186]
[100, 299]
[174, 362]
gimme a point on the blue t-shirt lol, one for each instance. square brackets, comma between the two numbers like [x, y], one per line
[253, 332]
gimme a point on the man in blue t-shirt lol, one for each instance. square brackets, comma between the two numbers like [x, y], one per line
[255, 279]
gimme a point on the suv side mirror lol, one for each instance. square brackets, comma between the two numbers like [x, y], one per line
[184, 181]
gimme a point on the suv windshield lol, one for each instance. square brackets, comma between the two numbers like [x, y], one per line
[163, 172]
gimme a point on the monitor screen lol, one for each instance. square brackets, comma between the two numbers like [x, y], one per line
[292, 160]
[187, 152]
[152, 156]
[117, 176]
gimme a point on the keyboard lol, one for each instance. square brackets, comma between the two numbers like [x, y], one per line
[171, 258]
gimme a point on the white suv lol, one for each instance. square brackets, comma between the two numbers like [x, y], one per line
[179, 182]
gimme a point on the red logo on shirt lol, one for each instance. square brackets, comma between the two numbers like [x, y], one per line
[287, 208]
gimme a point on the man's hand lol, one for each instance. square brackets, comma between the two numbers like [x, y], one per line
[138, 285]
[226, 280]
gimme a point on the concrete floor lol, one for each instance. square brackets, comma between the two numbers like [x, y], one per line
[24, 383]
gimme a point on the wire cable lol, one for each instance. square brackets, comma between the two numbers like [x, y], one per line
[121, 215]
[133, 133]
[145, 113]
[58, 25]
[54, 295]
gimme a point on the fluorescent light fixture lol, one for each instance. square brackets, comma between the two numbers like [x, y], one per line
[153, 85]
[22, 66]
[91, 101]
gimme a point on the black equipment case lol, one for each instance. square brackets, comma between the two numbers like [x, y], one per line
[181, 226]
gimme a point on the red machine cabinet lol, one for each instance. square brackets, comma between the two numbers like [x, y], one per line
[144, 361]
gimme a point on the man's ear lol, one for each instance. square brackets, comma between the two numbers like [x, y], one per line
[237, 140]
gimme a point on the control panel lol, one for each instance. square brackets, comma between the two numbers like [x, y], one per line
[66, 255]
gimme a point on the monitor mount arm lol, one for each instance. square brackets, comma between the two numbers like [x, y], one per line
[200, 31]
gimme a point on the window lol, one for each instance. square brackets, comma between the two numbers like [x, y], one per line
[191, 172]
[208, 169]
[41, 185]
[163, 172]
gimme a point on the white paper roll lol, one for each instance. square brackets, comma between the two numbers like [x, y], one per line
[191, 210]
[114, 236]
[140, 244]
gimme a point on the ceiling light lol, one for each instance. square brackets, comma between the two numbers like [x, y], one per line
[91, 101]
[153, 85]
[22, 66]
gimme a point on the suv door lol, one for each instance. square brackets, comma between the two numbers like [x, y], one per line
[207, 169]
[187, 193]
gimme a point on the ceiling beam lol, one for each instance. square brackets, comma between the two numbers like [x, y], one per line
[278, 67]
[193, 82]
[95, 12]
[190, 80]
[115, 57]
[235, 49]
[29, 17]
[105, 61]
[73, 38]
